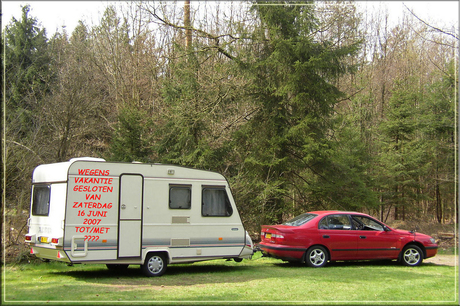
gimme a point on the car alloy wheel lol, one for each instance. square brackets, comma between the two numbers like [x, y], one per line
[316, 257]
[412, 255]
[155, 265]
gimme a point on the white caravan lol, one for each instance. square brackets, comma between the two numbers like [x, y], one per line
[88, 210]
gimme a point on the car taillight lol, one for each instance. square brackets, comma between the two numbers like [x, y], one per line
[277, 238]
[272, 237]
[55, 240]
[28, 238]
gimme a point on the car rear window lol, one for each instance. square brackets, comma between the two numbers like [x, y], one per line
[300, 220]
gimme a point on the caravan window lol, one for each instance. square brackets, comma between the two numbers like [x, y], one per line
[180, 196]
[215, 202]
[41, 200]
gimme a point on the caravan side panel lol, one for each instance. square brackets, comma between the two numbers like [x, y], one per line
[91, 226]
[185, 231]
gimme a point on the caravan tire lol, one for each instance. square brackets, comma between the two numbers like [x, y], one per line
[155, 265]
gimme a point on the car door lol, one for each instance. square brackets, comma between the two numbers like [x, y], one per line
[336, 233]
[373, 241]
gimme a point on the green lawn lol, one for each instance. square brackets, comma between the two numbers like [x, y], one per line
[258, 281]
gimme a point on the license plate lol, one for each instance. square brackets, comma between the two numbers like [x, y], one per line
[44, 239]
[268, 235]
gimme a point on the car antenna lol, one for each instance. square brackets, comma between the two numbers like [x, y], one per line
[413, 231]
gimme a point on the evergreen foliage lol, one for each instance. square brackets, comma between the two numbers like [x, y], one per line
[289, 157]
[131, 138]
[26, 72]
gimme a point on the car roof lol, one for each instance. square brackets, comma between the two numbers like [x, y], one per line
[327, 212]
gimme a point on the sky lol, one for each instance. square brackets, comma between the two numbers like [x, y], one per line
[53, 15]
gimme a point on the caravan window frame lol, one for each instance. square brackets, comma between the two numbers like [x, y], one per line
[174, 187]
[38, 205]
[207, 208]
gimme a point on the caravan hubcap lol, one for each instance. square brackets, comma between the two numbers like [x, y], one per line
[155, 264]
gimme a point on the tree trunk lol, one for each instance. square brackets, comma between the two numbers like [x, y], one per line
[439, 209]
[187, 25]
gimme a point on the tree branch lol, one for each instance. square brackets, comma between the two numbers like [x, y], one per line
[434, 28]
[27, 148]
[199, 31]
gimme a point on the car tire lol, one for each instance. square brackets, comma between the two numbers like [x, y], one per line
[411, 255]
[155, 265]
[316, 256]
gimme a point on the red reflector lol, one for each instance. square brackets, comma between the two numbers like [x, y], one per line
[28, 238]
[55, 240]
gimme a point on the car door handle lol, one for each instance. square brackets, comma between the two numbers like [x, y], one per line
[362, 237]
[325, 236]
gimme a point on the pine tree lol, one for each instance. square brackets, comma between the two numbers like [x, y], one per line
[27, 70]
[286, 145]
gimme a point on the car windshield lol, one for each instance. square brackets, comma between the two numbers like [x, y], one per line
[300, 220]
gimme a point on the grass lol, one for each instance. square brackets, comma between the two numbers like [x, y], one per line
[260, 280]
[447, 251]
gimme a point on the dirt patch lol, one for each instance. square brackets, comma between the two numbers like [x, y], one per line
[443, 260]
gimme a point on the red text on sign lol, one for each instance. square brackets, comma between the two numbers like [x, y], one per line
[95, 172]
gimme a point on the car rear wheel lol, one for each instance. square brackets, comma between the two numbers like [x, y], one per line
[316, 257]
[411, 255]
[155, 265]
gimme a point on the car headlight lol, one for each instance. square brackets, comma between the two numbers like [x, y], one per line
[432, 240]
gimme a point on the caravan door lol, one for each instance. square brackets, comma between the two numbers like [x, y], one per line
[130, 212]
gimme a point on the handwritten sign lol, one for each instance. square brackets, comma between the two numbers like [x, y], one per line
[95, 185]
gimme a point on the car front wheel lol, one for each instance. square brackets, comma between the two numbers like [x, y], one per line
[316, 257]
[155, 265]
[411, 255]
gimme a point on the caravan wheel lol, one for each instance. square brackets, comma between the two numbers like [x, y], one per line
[155, 265]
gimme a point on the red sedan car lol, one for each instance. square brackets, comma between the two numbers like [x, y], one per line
[321, 236]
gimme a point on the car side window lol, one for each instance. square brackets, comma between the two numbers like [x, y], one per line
[366, 224]
[323, 224]
[335, 222]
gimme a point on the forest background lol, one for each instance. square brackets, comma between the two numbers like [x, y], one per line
[301, 105]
